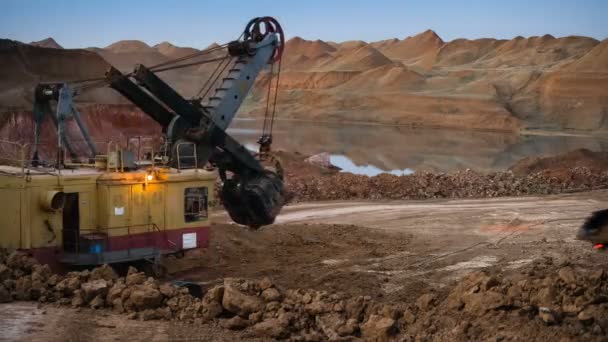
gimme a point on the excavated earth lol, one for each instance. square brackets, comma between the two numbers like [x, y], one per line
[579, 170]
[383, 266]
[492, 269]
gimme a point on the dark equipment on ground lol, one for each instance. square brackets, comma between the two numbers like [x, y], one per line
[595, 229]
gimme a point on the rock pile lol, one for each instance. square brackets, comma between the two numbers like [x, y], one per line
[542, 302]
[265, 310]
[423, 185]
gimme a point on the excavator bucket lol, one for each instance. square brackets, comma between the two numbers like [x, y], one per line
[253, 202]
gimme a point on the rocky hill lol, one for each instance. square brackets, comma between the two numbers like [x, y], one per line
[534, 83]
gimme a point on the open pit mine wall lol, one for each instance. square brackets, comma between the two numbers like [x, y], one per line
[106, 123]
[486, 84]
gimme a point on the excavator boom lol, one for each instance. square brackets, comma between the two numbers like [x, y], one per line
[251, 194]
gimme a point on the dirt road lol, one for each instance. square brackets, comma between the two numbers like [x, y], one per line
[392, 251]
[448, 238]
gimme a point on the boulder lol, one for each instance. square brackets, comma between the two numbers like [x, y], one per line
[306, 298]
[272, 327]
[17, 260]
[144, 297]
[547, 316]
[116, 291]
[330, 324]
[349, 328]
[567, 275]
[271, 295]
[479, 303]
[94, 288]
[167, 290]
[378, 328]
[77, 299]
[97, 302]
[265, 283]
[212, 303]
[68, 285]
[135, 278]
[41, 272]
[105, 272]
[318, 307]
[238, 302]
[545, 296]
[117, 305]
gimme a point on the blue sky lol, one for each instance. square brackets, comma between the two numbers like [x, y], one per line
[82, 23]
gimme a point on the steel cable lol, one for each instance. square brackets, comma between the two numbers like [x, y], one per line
[209, 83]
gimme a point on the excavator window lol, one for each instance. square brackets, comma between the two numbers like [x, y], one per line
[195, 204]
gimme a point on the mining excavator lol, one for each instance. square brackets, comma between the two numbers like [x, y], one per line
[115, 208]
[253, 196]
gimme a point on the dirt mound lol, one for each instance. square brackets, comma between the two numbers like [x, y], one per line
[384, 44]
[311, 49]
[541, 301]
[124, 46]
[595, 60]
[537, 51]
[386, 78]
[462, 184]
[556, 165]
[172, 51]
[318, 184]
[48, 43]
[355, 59]
[125, 54]
[351, 44]
[420, 50]
[537, 82]
[301, 54]
[464, 51]
[310, 80]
